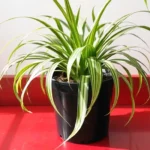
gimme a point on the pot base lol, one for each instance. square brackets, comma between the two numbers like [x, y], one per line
[84, 140]
[89, 132]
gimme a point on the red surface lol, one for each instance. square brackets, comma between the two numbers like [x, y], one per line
[37, 131]
[37, 98]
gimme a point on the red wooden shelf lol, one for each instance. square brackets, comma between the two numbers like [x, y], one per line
[37, 98]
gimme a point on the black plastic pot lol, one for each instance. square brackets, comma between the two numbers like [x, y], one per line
[96, 125]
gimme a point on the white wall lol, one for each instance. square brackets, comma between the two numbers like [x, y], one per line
[14, 8]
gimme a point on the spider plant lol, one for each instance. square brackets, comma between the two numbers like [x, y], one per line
[83, 53]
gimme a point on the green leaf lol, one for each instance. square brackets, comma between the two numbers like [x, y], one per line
[115, 29]
[21, 73]
[59, 25]
[95, 26]
[82, 104]
[16, 48]
[96, 77]
[8, 43]
[85, 28]
[130, 86]
[37, 71]
[78, 16]
[10, 64]
[55, 31]
[42, 83]
[75, 55]
[138, 37]
[133, 62]
[81, 107]
[114, 73]
[88, 52]
[69, 12]
[70, 19]
[49, 77]
[57, 19]
[93, 15]
[127, 71]
[49, 85]
[132, 97]
[140, 83]
[146, 3]
[17, 81]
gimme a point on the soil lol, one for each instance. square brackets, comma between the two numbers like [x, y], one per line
[63, 78]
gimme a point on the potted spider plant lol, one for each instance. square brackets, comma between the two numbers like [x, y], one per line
[79, 66]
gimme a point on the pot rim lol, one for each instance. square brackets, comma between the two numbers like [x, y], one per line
[74, 83]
